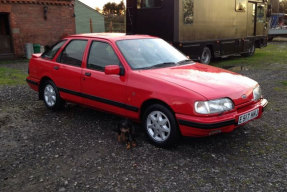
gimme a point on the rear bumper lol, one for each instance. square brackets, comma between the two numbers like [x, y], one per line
[33, 83]
[205, 126]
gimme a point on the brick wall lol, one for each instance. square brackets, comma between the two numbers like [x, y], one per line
[28, 25]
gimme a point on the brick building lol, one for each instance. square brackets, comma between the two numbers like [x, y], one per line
[33, 21]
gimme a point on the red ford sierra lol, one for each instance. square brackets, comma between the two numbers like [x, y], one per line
[145, 79]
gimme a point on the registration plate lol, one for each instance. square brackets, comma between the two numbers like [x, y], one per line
[248, 116]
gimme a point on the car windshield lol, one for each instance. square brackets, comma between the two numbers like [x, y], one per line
[150, 53]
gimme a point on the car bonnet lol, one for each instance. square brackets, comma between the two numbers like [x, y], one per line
[211, 82]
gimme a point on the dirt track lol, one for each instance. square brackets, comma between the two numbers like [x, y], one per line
[76, 149]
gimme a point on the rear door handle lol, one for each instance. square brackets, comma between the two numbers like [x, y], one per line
[56, 67]
[88, 74]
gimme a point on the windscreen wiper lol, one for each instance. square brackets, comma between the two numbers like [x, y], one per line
[165, 64]
[184, 61]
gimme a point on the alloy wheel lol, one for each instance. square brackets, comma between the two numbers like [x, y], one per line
[50, 95]
[158, 126]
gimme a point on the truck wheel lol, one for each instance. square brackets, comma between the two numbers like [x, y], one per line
[250, 52]
[51, 96]
[160, 126]
[205, 56]
[270, 38]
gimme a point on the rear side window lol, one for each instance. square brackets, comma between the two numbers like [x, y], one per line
[141, 4]
[50, 54]
[73, 53]
[101, 54]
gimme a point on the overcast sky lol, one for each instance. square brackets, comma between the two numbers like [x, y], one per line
[99, 3]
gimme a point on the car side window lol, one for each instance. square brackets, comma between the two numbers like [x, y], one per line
[50, 54]
[101, 54]
[73, 53]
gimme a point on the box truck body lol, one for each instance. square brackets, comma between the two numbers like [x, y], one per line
[203, 28]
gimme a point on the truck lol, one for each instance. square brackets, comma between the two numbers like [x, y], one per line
[203, 29]
[278, 26]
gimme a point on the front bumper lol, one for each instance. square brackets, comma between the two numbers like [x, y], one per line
[195, 126]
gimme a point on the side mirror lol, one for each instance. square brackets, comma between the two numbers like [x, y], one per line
[114, 70]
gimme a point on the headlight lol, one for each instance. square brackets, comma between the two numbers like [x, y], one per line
[213, 106]
[257, 94]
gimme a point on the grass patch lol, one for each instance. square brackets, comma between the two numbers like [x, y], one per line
[284, 83]
[12, 61]
[10, 76]
[282, 87]
[271, 57]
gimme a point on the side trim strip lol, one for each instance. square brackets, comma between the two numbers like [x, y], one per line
[102, 100]
[32, 82]
[207, 126]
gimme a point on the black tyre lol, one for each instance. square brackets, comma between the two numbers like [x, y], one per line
[205, 56]
[250, 52]
[270, 38]
[160, 126]
[51, 96]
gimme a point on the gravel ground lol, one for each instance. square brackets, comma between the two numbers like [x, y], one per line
[76, 150]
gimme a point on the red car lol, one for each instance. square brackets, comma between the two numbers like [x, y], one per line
[145, 79]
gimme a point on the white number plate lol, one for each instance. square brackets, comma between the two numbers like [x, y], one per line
[248, 116]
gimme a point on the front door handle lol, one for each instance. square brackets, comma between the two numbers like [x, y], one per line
[88, 74]
[56, 67]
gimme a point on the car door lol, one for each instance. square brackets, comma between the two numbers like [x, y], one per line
[68, 69]
[102, 91]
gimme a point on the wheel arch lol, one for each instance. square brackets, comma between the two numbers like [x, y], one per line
[150, 102]
[41, 86]
[211, 50]
[210, 46]
[175, 132]
[259, 43]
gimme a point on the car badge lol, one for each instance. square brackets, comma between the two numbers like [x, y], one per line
[244, 96]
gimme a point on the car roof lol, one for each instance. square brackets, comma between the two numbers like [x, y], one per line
[111, 36]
